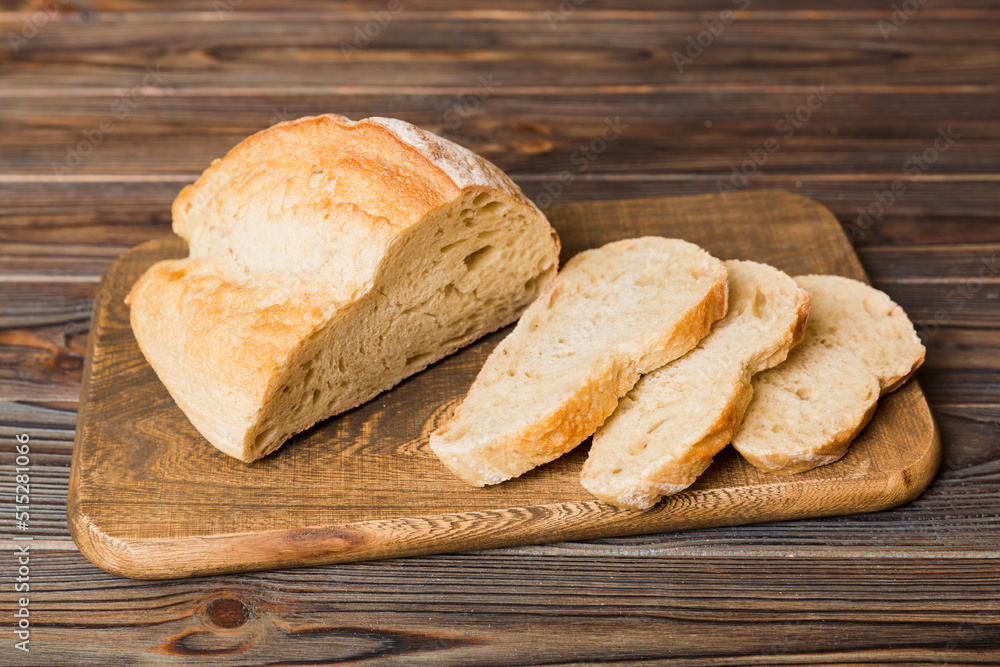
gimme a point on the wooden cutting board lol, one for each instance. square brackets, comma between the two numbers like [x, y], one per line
[150, 499]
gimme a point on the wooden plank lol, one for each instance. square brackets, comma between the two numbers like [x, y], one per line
[816, 10]
[957, 348]
[114, 211]
[29, 262]
[44, 363]
[693, 133]
[34, 303]
[357, 456]
[960, 386]
[954, 263]
[963, 303]
[555, 609]
[50, 429]
[106, 213]
[612, 51]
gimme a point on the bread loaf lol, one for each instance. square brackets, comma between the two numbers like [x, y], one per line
[612, 314]
[666, 430]
[858, 346]
[328, 261]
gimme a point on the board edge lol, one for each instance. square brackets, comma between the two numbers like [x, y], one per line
[132, 558]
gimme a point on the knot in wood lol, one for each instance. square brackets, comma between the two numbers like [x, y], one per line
[67, 362]
[227, 613]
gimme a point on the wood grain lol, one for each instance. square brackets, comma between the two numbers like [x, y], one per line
[523, 133]
[532, 609]
[149, 498]
[818, 9]
[613, 51]
[893, 587]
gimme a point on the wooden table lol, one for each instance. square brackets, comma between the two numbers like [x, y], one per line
[108, 107]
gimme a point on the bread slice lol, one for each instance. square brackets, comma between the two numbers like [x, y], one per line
[328, 261]
[612, 314]
[805, 412]
[666, 430]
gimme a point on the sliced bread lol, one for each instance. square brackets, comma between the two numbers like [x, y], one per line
[858, 346]
[610, 315]
[666, 430]
[330, 259]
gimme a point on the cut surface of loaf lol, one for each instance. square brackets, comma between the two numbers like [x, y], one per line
[805, 412]
[666, 430]
[610, 315]
[329, 260]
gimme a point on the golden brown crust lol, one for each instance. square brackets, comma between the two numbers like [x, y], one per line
[691, 427]
[860, 346]
[898, 311]
[832, 451]
[387, 168]
[211, 344]
[800, 329]
[581, 413]
[291, 229]
[547, 439]
[292, 150]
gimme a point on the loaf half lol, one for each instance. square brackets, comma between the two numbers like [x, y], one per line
[666, 430]
[328, 261]
[612, 314]
[805, 413]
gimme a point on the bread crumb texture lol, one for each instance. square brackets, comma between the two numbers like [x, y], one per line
[612, 314]
[858, 346]
[330, 259]
[667, 429]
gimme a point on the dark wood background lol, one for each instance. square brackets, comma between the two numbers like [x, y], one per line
[108, 107]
